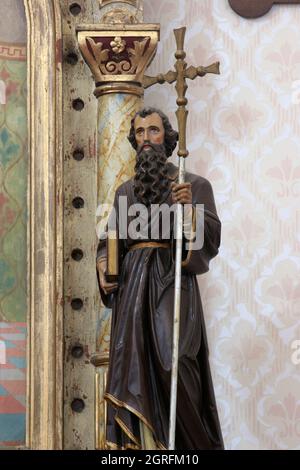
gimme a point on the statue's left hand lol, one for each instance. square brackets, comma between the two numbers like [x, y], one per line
[182, 193]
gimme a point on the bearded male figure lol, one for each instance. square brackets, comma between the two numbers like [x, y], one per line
[139, 376]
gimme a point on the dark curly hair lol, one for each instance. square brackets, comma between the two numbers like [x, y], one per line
[171, 136]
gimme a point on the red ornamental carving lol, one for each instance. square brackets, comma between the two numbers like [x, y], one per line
[256, 8]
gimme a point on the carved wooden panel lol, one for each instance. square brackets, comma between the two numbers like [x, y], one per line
[256, 8]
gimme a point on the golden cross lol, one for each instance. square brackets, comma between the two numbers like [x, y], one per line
[180, 74]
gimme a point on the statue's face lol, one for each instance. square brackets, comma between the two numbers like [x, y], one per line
[149, 129]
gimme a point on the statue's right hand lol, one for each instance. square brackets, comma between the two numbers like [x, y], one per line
[107, 287]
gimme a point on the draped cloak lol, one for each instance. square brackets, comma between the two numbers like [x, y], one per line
[140, 362]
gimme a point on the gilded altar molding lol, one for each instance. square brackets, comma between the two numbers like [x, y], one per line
[119, 16]
[44, 428]
[134, 3]
[118, 56]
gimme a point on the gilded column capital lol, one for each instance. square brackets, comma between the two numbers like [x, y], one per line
[118, 55]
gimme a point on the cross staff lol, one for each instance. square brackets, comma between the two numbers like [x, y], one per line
[180, 75]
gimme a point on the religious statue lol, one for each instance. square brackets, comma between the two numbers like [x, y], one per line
[142, 298]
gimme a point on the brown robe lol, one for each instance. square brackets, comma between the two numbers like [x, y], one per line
[138, 385]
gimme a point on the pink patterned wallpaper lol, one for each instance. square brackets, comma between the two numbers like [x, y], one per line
[244, 136]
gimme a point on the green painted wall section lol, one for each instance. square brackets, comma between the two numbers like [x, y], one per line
[13, 191]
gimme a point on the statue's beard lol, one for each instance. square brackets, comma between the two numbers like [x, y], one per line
[151, 176]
